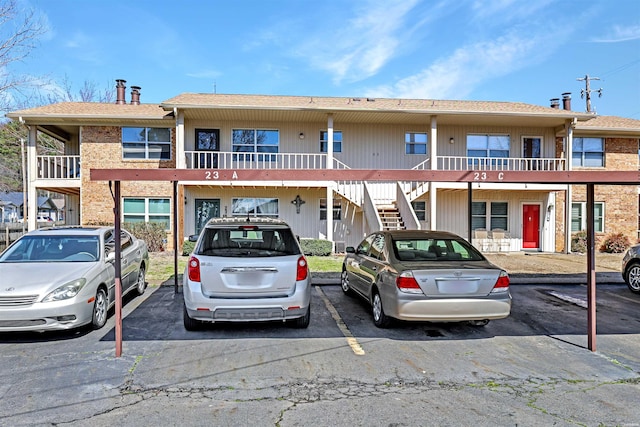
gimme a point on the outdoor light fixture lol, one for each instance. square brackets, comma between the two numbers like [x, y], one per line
[451, 140]
[301, 136]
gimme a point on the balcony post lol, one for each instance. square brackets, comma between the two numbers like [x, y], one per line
[433, 143]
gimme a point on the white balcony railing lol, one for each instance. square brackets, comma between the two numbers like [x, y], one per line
[58, 167]
[500, 163]
[229, 160]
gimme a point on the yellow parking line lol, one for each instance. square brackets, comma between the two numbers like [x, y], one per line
[351, 340]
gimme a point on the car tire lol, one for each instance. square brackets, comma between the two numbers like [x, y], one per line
[344, 283]
[302, 322]
[189, 323]
[479, 323]
[100, 309]
[380, 319]
[141, 284]
[632, 277]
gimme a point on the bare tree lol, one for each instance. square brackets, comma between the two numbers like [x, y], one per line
[19, 35]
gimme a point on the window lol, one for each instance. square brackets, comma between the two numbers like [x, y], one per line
[337, 141]
[579, 216]
[588, 152]
[377, 247]
[147, 210]
[415, 143]
[420, 208]
[484, 146]
[498, 217]
[146, 143]
[254, 207]
[337, 209]
[255, 141]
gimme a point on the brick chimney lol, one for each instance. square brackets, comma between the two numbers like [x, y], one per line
[555, 103]
[566, 101]
[135, 95]
[120, 88]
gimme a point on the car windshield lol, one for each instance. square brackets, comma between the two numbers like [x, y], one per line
[53, 249]
[435, 250]
[247, 241]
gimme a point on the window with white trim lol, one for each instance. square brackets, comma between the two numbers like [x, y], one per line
[415, 143]
[482, 147]
[337, 209]
[254, 206]
[260, 141]
[147, 210]
[579, 216]
[420, 208]
[337, 141]
[588, 152]
[496, 218]
[146, 143]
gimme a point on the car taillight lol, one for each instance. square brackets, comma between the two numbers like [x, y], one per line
[407, 283]
[194, 269]
[502, 284]
[303, 269]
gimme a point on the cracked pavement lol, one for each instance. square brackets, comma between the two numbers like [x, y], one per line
[530, 369]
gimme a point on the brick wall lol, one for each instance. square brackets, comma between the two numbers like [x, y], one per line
[621, 201]
[101, 148]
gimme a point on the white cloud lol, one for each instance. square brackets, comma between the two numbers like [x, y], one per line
[620, 33]
[360, 46]
[456, 76]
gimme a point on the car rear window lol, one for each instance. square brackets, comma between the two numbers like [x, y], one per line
[247, 241]
[435, 250]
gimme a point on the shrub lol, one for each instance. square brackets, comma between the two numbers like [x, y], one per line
[615, 243]
[187, 247]
[579, 242]
[316, 247]
[152, 233]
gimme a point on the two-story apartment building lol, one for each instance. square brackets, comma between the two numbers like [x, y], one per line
[238, 132]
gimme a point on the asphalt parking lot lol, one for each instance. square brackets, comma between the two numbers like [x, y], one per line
[532, 368]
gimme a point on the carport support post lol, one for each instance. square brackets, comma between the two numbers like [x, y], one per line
[118, 282]
[591, 269]
[175, 237]
[469, 210]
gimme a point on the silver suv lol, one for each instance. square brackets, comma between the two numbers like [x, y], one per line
[246, 269]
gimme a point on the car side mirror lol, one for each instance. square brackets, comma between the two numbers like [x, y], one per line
[350, 250]
[193, 238]
[111, 256]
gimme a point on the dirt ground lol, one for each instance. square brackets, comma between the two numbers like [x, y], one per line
[537, 262]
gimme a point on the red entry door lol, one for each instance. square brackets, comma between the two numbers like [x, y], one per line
[530, 226]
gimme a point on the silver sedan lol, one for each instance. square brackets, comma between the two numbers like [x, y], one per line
[425, 276]
[63, 278]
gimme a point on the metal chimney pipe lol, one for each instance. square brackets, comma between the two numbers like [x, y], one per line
[566, 101]
[555, 103]
[135, 95]
[120, 88]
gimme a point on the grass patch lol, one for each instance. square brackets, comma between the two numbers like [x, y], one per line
[325, 264]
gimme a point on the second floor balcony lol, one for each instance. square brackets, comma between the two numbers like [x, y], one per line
[235, 160]
[60, 167]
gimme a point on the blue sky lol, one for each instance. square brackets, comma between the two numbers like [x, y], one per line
[501, 50]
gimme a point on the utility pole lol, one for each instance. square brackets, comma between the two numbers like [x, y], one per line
[587, 90]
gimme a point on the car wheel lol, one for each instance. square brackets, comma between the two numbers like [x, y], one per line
[141, 285]
[380, 319]
[632, 277]
[302, 322]
[100, 309]
[483, 322]
[189, 323]
[344, 283]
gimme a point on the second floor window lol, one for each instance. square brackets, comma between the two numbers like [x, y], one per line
[261, 141]
[415, 143]
[483, 146]
[588, 152]
[146, 143]
[337, 141]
